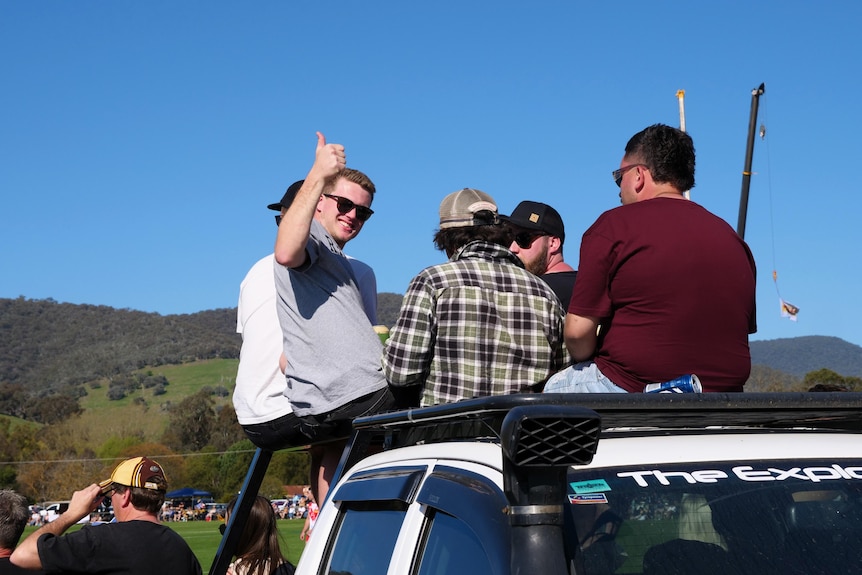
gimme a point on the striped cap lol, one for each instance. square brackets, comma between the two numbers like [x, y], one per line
[138, 472]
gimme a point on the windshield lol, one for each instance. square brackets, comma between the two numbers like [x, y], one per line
[736, 517]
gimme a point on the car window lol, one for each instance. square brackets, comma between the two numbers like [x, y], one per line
[452, 549]
[750, 517]
[466, 528]
[365, 537]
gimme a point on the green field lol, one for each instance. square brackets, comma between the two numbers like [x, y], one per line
[203, 537]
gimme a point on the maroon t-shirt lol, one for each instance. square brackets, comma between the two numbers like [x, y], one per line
[674, 288]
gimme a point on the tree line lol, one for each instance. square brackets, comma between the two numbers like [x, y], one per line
[203, 446]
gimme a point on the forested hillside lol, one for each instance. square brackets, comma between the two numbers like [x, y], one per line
[48, 350]
[800, 355]
[388, 306]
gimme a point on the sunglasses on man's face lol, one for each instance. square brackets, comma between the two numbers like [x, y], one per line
[345, 206]
[617, 175]
[526, 239]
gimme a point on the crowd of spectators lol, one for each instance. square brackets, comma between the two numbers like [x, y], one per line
[295, 507]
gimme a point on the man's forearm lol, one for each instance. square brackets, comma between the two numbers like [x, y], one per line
[295, 225]
[82, 503]
[296, 222]
[580, 350]
[580, 336]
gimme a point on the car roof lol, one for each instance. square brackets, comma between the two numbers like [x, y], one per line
[592, 418]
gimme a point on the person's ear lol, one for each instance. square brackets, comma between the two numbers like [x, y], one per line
[641, 175]
[126, 498]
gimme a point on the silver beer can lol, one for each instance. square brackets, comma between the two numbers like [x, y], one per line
[683, 384]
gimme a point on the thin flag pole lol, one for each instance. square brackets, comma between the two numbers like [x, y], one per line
[680, 95]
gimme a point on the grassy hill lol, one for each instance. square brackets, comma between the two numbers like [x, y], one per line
[146, 414]
[107, 430]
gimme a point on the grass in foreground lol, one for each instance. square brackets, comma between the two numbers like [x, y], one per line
[203, 538]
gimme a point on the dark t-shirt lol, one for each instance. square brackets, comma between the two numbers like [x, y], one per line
[7, 568]
[562, 284]
[129, 547]
[674, 288]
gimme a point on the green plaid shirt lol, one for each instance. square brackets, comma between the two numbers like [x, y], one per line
[477, 325]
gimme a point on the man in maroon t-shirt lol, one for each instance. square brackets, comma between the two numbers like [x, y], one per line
[664, 288]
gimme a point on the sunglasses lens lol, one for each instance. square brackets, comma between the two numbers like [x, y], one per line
[345, 205]
[362, 213]
[221, 528]
[524, 241]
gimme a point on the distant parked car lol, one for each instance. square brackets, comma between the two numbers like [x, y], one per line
[52, 511]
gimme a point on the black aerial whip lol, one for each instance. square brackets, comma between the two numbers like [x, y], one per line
[749, 152]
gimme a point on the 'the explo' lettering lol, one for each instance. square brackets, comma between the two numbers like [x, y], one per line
[744, 473]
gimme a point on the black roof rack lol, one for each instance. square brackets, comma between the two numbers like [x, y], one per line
[828, 410]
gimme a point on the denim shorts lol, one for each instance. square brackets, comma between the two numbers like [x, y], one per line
[584, 377]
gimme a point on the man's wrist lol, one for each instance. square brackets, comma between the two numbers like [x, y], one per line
[61, 523]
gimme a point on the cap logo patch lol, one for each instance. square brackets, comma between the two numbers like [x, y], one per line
[534, 218]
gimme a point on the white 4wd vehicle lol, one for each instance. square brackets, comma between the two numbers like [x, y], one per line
[597, 484]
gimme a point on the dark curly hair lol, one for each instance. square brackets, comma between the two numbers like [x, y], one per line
[450, 240]
[668, 153]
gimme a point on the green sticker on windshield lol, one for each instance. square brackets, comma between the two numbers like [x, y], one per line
[592, 486]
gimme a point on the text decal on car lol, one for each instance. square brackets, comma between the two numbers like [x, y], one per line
[744, 473]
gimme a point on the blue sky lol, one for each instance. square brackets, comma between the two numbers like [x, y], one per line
[141, 141]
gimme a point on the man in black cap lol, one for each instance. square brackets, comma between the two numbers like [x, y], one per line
[136, 544]
[538, 240]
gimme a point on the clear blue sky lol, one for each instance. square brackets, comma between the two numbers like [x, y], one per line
[141, 141]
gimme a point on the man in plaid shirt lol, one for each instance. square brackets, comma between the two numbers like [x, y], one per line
[479, 324]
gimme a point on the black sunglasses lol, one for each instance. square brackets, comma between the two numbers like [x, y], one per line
[526, 239]
[617, 175]
[345, 206]
[222, 527]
